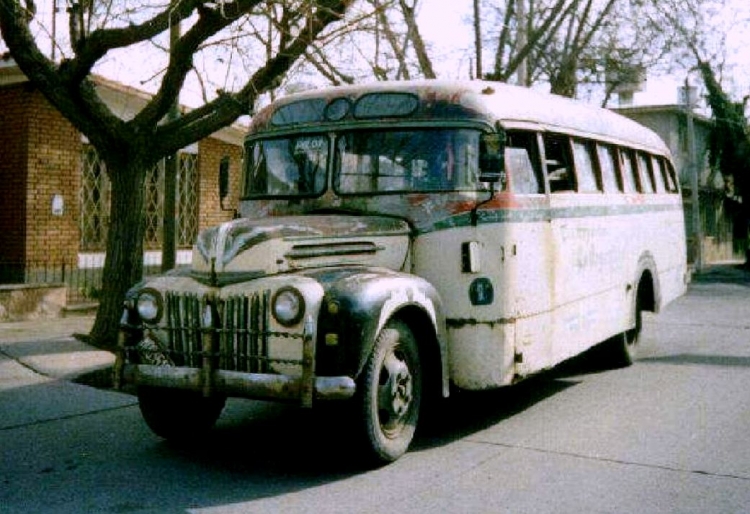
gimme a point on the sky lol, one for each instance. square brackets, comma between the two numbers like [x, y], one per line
[446, 27]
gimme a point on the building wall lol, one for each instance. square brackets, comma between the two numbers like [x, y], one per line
[53, 169]
[210, 154]
[14, 147]
[41, 159]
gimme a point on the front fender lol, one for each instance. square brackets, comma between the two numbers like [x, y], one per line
[357, 304]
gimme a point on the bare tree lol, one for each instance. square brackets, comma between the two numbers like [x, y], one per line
[409, 13]
[131, 147]
[566, 43]
[583, 22]
[381, 40]
[539, 24]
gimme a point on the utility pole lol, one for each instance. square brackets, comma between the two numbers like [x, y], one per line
[694, 169]
[171, 167]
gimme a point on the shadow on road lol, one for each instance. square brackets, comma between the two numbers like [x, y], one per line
[469, 412]
[736, 274]
[729, 361]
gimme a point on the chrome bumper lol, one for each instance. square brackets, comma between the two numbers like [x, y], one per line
[258, 386]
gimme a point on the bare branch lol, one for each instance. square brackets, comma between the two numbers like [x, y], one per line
[222, 111]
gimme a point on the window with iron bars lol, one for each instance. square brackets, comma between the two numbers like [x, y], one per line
[95, 201]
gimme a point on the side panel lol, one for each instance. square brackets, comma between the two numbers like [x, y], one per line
[598, 248]
[595, 256]
[512, 266]
[558, 285]
[481, 356]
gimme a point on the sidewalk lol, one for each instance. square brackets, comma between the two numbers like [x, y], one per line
[48, 347]
[40, 361]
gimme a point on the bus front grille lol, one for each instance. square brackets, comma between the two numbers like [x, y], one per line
[232, 333]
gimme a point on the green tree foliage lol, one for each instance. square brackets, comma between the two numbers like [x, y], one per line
[729, 149]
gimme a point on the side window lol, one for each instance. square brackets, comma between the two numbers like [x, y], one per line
[660, 174]
[645, 173]
[608, 166]
[559, 163]
[629, 171]
[522, 163]
[671, 176]
[585, 164]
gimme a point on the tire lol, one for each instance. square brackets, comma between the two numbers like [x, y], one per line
[623, 348]
[178, 415]
[390, 394]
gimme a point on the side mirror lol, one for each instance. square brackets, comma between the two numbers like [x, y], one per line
[223, 180]
[492, 158]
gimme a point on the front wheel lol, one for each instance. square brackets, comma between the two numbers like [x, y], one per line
[178, 415]
[390, 393]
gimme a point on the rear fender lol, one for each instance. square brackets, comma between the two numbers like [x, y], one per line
[646, 287]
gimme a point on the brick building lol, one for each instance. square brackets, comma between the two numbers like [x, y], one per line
[55, 192]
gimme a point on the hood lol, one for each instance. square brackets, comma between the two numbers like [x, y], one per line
[279, 244]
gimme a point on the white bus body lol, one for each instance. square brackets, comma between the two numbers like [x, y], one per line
[427, 233]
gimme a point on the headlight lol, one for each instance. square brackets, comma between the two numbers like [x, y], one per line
[288, 306]
[149, 305]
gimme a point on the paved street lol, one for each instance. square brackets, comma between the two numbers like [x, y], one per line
[669, 434]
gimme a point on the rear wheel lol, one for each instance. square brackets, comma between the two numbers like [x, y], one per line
[623, 348]
[390, 394]
[178, 415]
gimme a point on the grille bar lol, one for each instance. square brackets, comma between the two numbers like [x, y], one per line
[243, 333]
[184, 345]
[239, 332]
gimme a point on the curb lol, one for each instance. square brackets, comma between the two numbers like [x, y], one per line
[64, 358]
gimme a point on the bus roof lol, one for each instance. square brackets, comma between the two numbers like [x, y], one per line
[510, 106]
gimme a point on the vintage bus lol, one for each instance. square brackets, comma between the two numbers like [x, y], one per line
[402, 239]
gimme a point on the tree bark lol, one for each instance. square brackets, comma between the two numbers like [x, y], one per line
[425, 64]
[123, 264]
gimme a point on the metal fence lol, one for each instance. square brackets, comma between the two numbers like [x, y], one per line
[84, 284]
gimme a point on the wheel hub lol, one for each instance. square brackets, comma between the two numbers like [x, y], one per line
[395, 391]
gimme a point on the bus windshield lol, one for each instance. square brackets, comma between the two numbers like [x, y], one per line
[366, 162]
[292, 166]
[406, 160]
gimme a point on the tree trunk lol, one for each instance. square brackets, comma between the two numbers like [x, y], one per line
[123, 265]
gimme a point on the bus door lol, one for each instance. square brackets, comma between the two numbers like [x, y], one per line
[527, 257]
